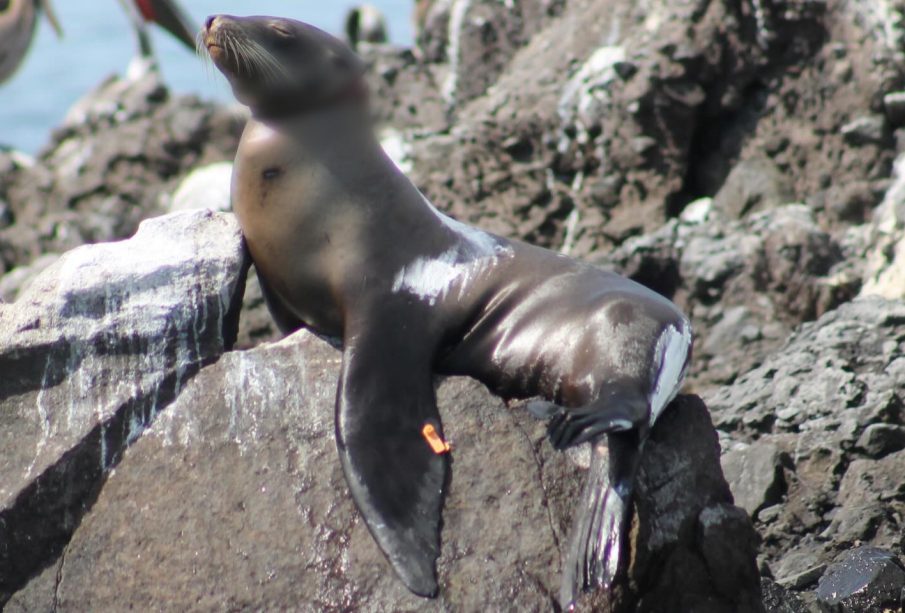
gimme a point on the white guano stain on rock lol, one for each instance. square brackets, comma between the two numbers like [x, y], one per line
[587, 93]
[113, 324]
[457, 16]
[207, 187]
[884, 273]
[886, 19]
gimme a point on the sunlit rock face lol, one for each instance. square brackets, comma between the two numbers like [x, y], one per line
[91, 351]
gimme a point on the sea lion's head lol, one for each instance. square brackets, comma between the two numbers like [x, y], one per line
[279, 66]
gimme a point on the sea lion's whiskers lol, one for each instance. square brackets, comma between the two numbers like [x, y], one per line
[255, 60]
[264, 61]
[202, 52]
[233, 52]
[240, 49]
[228, 51]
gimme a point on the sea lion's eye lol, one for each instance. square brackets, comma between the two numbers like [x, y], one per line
[281, 30]
[272, 172]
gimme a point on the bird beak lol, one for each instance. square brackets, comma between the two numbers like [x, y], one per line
[51, 16]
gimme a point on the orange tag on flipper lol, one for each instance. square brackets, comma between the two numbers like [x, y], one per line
[433, 439]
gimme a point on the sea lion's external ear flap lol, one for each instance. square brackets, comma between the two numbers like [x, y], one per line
[393, 454]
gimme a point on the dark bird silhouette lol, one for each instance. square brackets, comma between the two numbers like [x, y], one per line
[19, 18]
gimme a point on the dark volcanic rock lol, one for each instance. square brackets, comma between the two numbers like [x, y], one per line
[615, 115]
[404, 93]
[815, 399]
[863, 580]
[686, 501]
[256, 326]
[752, 185]
[746, 284]
[90, 353]
[779, 600]
[470, 42]
[236, 489]
[878, 440]
[119, 154]
[755, 475]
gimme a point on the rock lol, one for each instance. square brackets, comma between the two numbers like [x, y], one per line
[814, 399]
[894, 105]
[697, 212]
[795, 575]
[849, 203]
[475, 39]
[256, 325]
[866, 580]
[16, 280]
[236, 488]
[777, 599]
[879, 440]
[624, 115]
[755, 476]
[96, 346]
[755, 184]
[206, 187]
[865, 130]
[404, 93]
[123, 148]
[746, 283]
[884, 272]
[703, 554]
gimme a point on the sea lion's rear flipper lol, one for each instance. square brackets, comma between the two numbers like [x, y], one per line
[598, 537]
[390, 441]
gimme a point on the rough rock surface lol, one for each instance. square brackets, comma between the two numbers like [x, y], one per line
[114, 162]
[815, 401]
[745, 283]
[237, 490]
[866, 579]
[742, 157]
[89, 354]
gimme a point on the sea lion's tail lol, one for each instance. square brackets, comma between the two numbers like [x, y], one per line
[598, 535]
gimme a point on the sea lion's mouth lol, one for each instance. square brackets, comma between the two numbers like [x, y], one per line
[216, 51]
[215, 40]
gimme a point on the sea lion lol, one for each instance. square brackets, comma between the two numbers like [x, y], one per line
[347, 246]
[18, 21]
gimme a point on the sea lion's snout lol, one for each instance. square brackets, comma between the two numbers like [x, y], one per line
[213, 39]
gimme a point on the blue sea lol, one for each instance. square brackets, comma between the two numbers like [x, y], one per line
[98, 41]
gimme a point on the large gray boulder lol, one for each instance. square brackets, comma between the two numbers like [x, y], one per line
[236, 489]
[90, 353]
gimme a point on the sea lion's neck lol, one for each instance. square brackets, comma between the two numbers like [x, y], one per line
[339, 189]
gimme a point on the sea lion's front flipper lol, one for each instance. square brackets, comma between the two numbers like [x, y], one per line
[395, 469]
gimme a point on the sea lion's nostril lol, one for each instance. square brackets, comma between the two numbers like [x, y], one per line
[209, 21]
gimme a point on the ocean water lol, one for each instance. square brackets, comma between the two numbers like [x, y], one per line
[98, 41]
